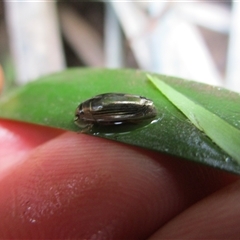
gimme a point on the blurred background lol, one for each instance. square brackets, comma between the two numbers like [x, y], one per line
[198, 40]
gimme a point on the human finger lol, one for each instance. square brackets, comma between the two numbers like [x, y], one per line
[78, 186]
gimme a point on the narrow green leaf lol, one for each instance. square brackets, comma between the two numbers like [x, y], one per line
[221, 132]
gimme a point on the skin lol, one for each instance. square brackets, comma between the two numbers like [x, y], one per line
[56, 184]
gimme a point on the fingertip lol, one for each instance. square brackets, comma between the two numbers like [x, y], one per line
[17, 139]
[215, 217]
[88, 185]
[80, 186]
[30, 135]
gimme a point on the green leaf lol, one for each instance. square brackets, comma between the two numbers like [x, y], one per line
[221, 132]
[52, 100]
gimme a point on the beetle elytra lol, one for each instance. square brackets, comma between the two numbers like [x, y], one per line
[113, 109]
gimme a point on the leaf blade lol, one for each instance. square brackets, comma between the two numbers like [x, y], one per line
[52, 100]
[221, 132]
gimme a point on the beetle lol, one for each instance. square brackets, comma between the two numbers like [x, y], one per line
[114, 109]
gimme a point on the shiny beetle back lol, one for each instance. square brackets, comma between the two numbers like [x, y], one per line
[114, 108]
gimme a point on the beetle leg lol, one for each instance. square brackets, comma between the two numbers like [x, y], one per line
[87, 128]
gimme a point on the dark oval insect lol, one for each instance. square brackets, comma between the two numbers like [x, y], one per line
[113, 109]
